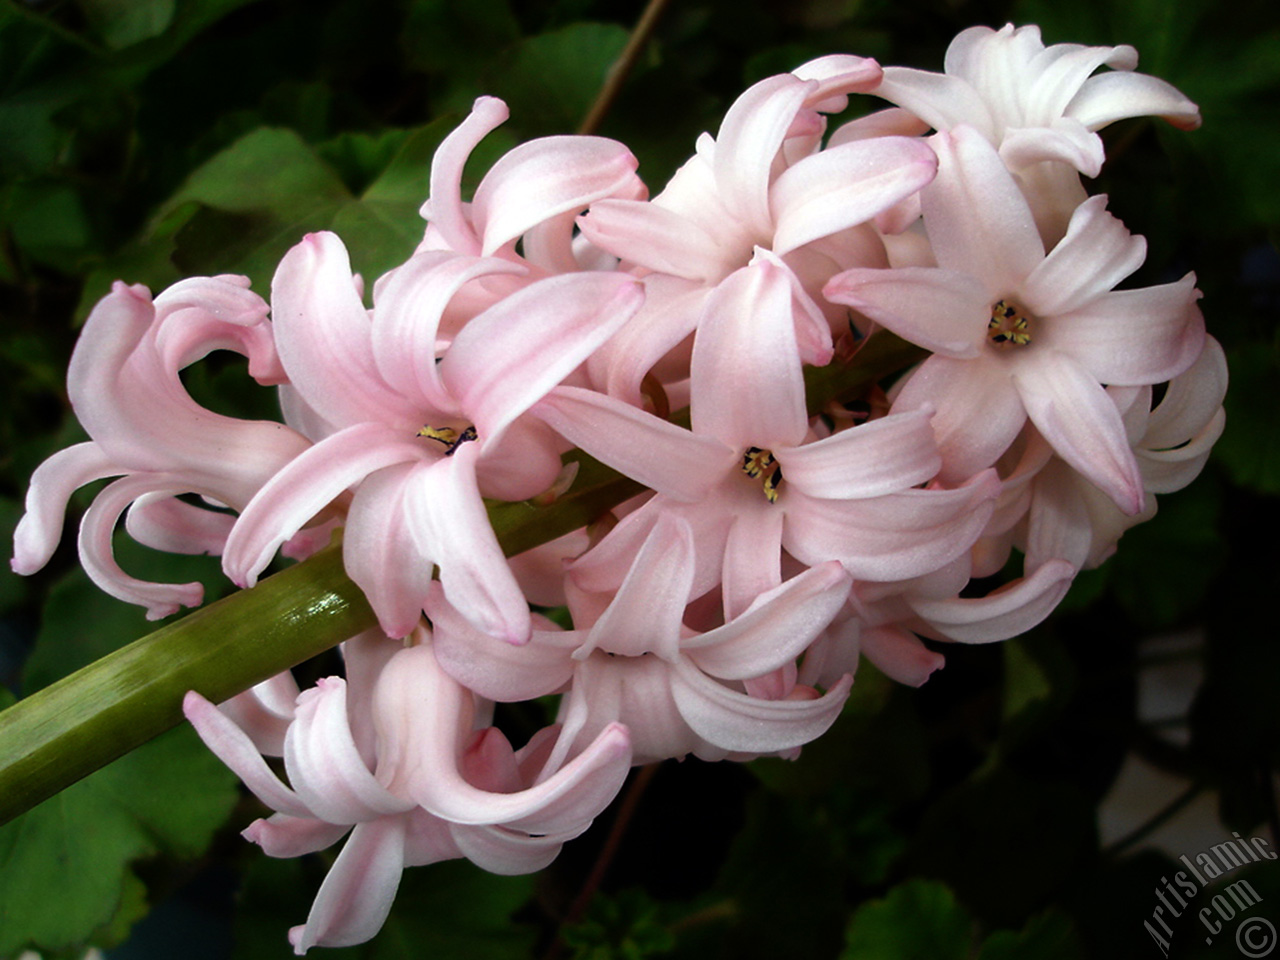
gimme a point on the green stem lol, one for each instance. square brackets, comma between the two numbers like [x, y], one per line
[57, 735]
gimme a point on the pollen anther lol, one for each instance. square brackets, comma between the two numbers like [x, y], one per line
[1008, 326]
[760, 464]
[449, 436]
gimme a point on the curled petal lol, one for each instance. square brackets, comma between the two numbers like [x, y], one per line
[645, 615]
[1133, 337]
[740, 723]
[305, 487]
[325, 338]
[942, 310]
[284, 836]
[659, 454]
[775, 629]
[407, 314]
[1065, 141]
[492, 667]
[870, 460]
[233, 747]
[380, 552]
[839, 187]
[505, 360]
[357, 893]
[546, 177]
[899, 654]
[1095, 255]
[1191, 401]
[165, 523]
[979, 413]
[747, 335]
[750, 136]
[660, 239]
[1117, 95]
[978, 220]
[421, 715]
[324, 765]
[895, 537]
[445, 210]
[52, 484]
[448, 522]
[98, 559]
[508, 853]
[1080, 421]
[1012, 610]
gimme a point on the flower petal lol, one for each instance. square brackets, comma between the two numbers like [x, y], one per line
[878, 457]
[839, 187]
[941, 310]
[233, 747]
[545, 177]
[775, 629]
[357, 893]
[449, 522]
[740, 723]
[655, 452]
[305, 487]
[324, 765]
[1075, 415]
[510, 356]
[1008, 612]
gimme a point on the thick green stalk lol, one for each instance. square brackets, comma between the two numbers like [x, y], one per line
[69, 729]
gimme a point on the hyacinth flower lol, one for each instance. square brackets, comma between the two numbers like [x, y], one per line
[393, 756]
[532, 194]
[749, 478]
[421, 441]
[762, 183]
[1018, 333]
[1040, 107]
[729, 691]
[1071, 520]
[145, 428]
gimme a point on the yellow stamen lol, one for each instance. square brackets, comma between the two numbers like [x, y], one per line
[1009, 326]
[449, 436]
[760, 465]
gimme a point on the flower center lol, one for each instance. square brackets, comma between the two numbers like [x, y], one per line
[1009, 326]
[760, 465]
[451, 437]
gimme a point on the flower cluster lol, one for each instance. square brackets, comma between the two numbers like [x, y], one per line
[781, 534]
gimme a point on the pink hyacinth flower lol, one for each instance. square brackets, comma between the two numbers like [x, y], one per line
[391, 756]
[421, 441]
[750, 479]
[125, 388]
[727, 691]
[1017, 333]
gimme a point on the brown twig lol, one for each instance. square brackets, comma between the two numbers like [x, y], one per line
[622, 67]
[626, 810]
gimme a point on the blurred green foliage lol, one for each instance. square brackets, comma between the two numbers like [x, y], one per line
[152, 139]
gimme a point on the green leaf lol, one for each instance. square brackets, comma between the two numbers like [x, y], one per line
[628, 926]
[918, 920]
[1048, 936]
[1039, 677]
[552, 79]
[122, 23]
[261, 195]
[989, 840]
[449, 38]
[444, 911]
[64, 865]
[1162, 569]
[1250, 446]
